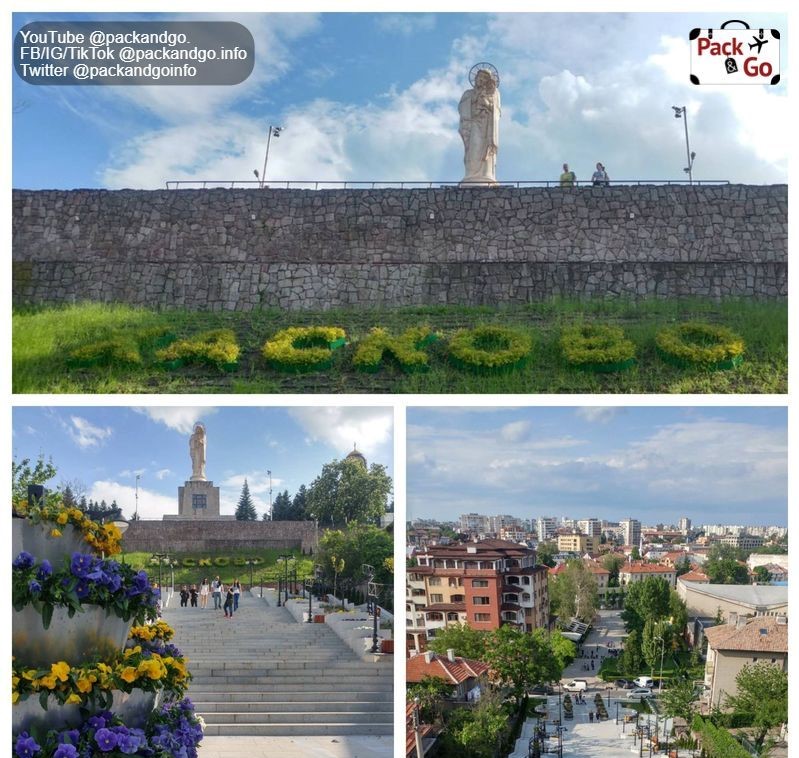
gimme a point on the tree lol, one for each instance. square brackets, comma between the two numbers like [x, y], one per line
[762, 698]
[24, 474]
[337, 564]
[648, 598]
[679, 700]
[346, 492]
[722, 566]
[573, 592]
[466, 641]
[245, 510]
[545, 553]
[613, 562]
[762, 575]
[630, 661]
[656, 640]
[431, 690]
[682, 566]
[475, 732]
[281, 507]
[635, 553]
[299, 504]
[521, 660]
[678, 612]
[356, 545]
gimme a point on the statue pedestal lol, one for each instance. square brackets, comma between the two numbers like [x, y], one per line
[198, 499]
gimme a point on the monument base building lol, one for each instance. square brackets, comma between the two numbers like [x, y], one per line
[198, 500]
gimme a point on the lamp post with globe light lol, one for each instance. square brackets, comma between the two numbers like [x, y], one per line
[683, 114]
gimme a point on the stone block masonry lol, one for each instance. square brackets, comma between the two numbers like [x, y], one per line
[196, 536]
[301, 249]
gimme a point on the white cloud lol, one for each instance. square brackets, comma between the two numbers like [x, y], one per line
[162, 473]
[182, 419]
[341, 427]
[515, 431]
[152, 505]
[406, 24]
[128, 473]
[597, 413]
[85, 434]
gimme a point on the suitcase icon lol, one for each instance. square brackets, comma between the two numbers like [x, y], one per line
[735, 55]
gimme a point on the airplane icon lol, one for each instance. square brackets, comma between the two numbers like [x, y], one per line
[758, 44]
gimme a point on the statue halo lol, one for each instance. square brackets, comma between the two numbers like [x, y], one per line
[483, 66]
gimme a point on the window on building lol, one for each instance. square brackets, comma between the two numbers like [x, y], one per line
[436, 598]
[525, 580]
[482, 617]
[434, 581]
[457, 599]
[481, 600]
[198, 502]
[479, 582]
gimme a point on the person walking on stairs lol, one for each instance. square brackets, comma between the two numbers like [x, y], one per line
[228, 606]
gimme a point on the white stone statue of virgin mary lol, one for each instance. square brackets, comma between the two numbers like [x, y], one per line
[197, 443]
[479, 111]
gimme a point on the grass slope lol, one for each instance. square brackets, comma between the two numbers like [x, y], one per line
[42, 339]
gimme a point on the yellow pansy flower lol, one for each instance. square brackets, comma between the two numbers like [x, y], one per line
[55, 532]
[85, 683]
[48, 681]
[29, 674]
[129, 674]
[61, 670]
[62, 518]
[73, 698]
[14, 697]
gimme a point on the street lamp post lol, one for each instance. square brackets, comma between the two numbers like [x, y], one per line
[371, 590]
[683, 114]
[159, 558]
[250, 562]
[662, 650]
[285, 558]
[274, 131]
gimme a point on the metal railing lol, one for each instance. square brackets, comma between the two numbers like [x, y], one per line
[324, 184]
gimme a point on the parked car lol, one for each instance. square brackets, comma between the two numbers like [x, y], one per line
[576, 685]
[639, 693]
[643, 681]
[624, 684]
[542, 689]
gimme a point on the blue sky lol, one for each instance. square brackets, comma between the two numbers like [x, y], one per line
[712, 464]
[104, 448]
[374, 97]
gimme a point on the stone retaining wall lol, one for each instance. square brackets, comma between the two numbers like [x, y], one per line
[196, 536]
[302, 249]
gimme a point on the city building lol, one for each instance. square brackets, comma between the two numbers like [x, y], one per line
[483, 583]
[473, 523]
[741, 540]
[637, 571]
[708, 600]
[546, 526]
[575, 542]
[590, 527]
[765, 559]
[466, 676]
[685, 525]
[742, 641]
[631, 531]
[512, 534]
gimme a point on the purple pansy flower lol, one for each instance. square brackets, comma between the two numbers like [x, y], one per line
[26, 746]
[23, 561]
[34, 586]
[105, 739]
[45, 569]
[66, 751]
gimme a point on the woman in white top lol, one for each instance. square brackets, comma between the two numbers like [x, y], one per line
[236, 594]
[205, 588]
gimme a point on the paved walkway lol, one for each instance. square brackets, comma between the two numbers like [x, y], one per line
[586, 739]
[608, 629]
[296, 747]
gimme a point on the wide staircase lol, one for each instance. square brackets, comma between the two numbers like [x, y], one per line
[261, 673]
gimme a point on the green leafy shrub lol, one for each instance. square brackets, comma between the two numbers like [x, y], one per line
[698, 344]
[221, 561]
[239, 562]
[304, 348]
[490, 349]
[405, 349]
[217, 347]
[597, 347]
[189, 562]
[108, 352]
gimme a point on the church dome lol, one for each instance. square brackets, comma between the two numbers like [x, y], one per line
[357, 456]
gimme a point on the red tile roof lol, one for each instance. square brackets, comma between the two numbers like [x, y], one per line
[695, 576]
[452, 672]
[762, 634]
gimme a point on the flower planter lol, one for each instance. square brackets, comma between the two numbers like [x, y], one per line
[92, 634]
[36, 540]
[133, 708]
[387, 646]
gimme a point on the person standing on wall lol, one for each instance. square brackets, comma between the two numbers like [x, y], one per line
[567, 178]
[600, 177]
